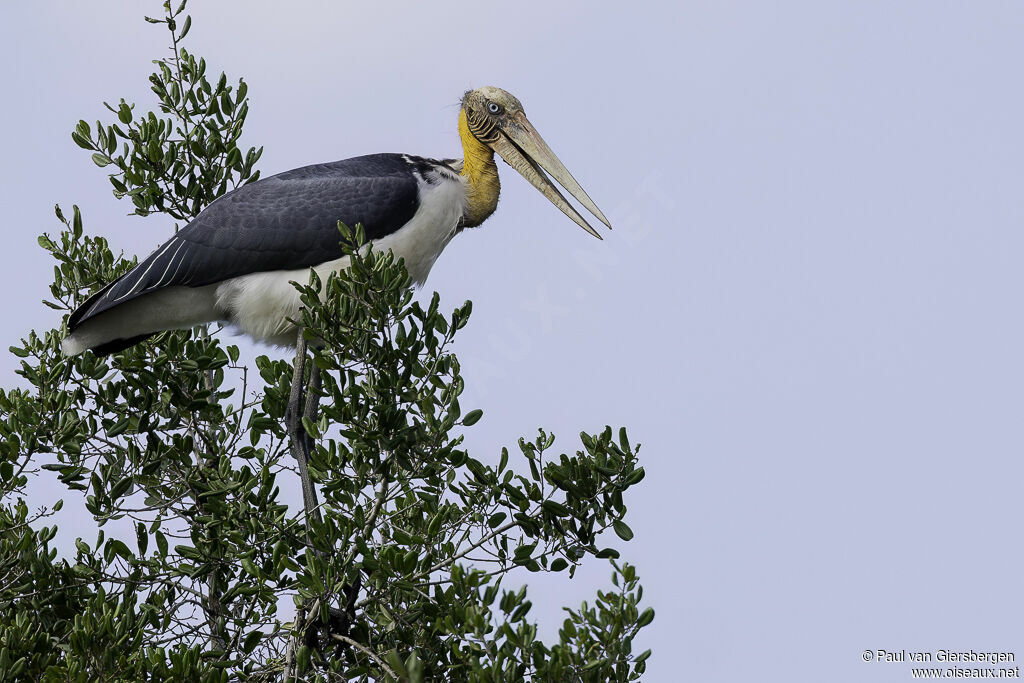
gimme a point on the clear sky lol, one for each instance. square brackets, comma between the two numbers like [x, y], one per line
[808, 312]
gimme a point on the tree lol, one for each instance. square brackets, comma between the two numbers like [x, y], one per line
[397, 573]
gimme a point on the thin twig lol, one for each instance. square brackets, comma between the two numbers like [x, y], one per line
[291, 666]
[367, 652]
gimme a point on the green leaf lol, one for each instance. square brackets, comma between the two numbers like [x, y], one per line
[415, 668]
[435, 524]
[161, 543]
[121, 487]
[80, 140]
[101, 160]
[525, 551]
[141, 537]
[555, 508]
[622, 530]
[645, 618]
[472, 417]
[184, 30]
[310, 427]
[119, 548]
[401, 536]
[397, 665]
[251, 641]
[635, 477]
[124, 113]
[119, 427]
[623, 439]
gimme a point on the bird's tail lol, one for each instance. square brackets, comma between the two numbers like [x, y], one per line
[116, 328]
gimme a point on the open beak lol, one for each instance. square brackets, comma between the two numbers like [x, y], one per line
[522, 147]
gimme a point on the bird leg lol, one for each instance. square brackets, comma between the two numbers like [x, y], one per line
[340, 619]
[301, 442]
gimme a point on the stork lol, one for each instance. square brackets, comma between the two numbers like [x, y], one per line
[237, 260]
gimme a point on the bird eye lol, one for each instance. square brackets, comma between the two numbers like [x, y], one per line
[494, 108]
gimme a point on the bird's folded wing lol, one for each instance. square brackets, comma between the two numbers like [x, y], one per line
[284, 222]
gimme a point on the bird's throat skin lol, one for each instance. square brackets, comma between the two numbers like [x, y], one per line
[481, 176]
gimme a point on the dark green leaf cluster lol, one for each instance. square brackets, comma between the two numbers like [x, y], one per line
[179, 164]
[151, 436]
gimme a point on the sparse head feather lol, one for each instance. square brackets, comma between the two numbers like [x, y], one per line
[476, 101]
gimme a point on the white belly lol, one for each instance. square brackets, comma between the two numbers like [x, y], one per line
[261, 304]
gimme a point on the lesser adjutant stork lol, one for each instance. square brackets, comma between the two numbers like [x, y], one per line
[236, 261]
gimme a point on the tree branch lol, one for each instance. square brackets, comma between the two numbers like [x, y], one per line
[367, 652]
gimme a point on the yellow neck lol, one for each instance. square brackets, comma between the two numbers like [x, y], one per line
[481, 174]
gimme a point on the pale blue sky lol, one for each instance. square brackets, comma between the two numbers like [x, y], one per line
[808, 311]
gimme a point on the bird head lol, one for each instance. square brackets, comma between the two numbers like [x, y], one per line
[496, 118]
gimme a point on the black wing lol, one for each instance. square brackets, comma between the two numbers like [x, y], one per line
[284, 222]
